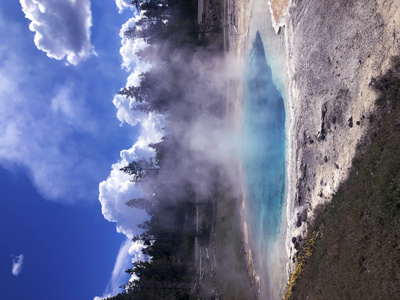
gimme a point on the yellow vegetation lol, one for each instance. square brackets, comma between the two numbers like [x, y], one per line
[278, 6]
[307, 250]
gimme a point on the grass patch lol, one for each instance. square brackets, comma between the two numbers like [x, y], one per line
[307, 250]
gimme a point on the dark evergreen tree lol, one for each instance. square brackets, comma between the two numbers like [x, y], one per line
[141, 169]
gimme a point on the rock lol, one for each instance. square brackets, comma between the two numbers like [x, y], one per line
[324, 109]
[350, 120]
[307, 139]
[299, 199]
[358, 123]
[296, 246]
[298, 223]
[372, 82]
[294, 239]
[303, 170]
[322, 133]
[325, 159]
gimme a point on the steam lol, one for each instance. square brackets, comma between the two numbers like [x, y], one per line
[196, 118]
[203, 134]
[207, 139]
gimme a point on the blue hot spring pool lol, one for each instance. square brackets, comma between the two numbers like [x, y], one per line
[263, 158]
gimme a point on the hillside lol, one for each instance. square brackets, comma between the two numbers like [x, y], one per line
[358, 255]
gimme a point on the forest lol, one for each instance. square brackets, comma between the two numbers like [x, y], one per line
[176, 178]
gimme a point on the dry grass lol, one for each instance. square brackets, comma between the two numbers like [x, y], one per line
[307, 250]
[278, 6]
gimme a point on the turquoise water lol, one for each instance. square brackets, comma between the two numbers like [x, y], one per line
[263, 155]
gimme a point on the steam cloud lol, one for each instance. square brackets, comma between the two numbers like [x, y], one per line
[208, 138]
[204, 135]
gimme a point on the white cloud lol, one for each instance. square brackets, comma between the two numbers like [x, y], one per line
[18, 261]
[40, 129]
[129, 48]
[105, 296]
[62, 27]
[117, 189]
[123, 261]
[114, 193]
[135, 251]
[124, 110]
[123, 4]
[62, 103]
[69, 107]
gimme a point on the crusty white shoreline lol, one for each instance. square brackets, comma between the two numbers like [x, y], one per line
[290, 210]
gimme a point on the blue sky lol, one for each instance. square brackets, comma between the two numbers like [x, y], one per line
[69, 251]
[64, 133]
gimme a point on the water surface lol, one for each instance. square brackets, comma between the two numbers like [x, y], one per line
[263, 161]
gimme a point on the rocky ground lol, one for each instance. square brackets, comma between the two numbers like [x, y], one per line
[334, 49]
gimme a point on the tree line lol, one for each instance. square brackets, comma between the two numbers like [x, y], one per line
[175, 87]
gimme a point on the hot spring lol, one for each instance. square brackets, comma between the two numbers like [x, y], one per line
[263, 157]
